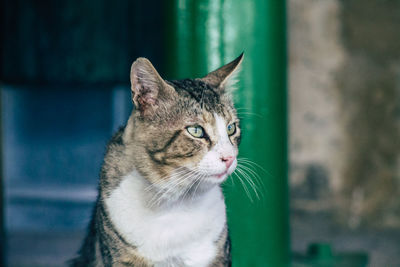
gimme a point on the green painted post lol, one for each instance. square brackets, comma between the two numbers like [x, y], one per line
[201, 36]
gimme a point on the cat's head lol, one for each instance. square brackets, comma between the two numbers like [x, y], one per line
[184, 131]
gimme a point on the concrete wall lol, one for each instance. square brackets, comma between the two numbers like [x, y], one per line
[345, 109]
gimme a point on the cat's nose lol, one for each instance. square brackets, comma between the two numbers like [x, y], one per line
[228, 160]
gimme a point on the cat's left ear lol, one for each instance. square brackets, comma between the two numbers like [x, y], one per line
[148, 88]
[224, 77]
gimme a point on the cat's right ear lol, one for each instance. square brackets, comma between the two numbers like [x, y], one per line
[148, 88]
[223, 78]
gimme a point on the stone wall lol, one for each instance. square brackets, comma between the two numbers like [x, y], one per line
[345, 109]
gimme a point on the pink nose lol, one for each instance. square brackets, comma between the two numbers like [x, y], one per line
[228, 161]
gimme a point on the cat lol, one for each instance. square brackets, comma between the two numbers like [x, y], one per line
[160, 202]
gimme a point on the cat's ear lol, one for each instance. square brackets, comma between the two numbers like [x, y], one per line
[224, 77]
[148, 88]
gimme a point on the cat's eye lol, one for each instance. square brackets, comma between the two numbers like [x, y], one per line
[196, 131]
[231, 129]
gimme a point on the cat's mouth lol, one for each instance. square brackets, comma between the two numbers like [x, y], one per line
[219, 176]
[227, 172]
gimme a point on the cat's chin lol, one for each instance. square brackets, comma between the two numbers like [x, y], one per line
[218, 178]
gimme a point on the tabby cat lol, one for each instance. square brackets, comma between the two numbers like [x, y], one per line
[160, 202]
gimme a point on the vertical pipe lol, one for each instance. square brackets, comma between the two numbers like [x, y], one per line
[201, 36]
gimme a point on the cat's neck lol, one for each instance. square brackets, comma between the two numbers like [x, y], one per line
[167, 231]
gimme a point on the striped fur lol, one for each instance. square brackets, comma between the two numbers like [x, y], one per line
[160, 201]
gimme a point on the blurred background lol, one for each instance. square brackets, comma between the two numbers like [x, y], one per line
[344, 125]
[64, 80]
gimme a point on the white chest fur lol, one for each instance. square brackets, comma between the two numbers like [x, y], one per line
[185, 232]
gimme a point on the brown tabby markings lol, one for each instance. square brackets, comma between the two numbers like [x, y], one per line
[155, 143]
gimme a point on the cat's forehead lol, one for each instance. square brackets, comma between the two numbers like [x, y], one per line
[202, 94]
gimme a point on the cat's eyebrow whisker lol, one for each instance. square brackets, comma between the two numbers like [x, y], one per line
[249, 114]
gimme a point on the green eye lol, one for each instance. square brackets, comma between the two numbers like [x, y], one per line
[231, 129]
[196, 131]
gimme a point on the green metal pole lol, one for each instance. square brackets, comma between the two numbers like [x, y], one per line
[203, 35]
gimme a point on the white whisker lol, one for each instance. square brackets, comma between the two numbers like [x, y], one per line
[199, 180]
[254, 174]
[248, 179]
[176, 182]
[244, 186]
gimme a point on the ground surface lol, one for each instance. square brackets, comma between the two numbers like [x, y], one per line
[383, 247]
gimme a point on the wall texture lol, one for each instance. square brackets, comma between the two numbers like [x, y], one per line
[68, 42]
[345, 110]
